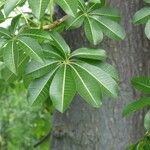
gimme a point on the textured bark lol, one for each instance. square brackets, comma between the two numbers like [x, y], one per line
[85, 128]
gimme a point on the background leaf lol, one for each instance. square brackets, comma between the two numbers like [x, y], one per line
[141, 83]
[38, 7]
[135, 106]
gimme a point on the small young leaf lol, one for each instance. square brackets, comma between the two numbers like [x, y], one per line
[38, 7]
[147, 121]
[142, 16]
[135, 106]
[147, 29]
[141, 83]
[93, 31]
[95, 54]
[62, 89]
[110, 28]
[69, 6]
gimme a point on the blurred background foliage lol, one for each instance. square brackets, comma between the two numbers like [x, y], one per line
[21, 126]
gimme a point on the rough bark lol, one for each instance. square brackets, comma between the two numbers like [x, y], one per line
[85, 128]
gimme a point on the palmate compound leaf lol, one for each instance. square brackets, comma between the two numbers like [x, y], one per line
[141, 83]
[38, 7]
[4, 33]
[91, 82]
[69, 6]
[135, 106]
[62, 89]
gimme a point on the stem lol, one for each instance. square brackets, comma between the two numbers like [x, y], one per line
[51, 10]
[55, 23]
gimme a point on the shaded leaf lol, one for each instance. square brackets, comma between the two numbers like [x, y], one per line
[69, 6]
[135, 106]
[147, 29]
[141, 83]
[38, 7]
[142, 16]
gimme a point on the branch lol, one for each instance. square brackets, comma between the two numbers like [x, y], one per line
[42, 140]
[55, 23]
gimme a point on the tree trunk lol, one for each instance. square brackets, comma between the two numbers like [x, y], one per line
[85, 128]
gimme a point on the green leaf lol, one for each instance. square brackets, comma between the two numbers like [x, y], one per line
[147, 29]
[147, 121]
[75, 22]
[10, 76]
[30, 47]
[92, 31]
[69, 6]
[109, 69]
[95, 54]
[38, 7]
[62, 89]
[147, 1]
[142, 16]
[110, 28]
[60, 43]
[10, 56]
[86, 86]
[38, 90]
[1, 17]
[10, 5]
[105, 81]
[110, 13]
[4, 33]
[135, 106]
[36, 34]
[36, 69]
[51, 52]
[14, 23]
[141, 83]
